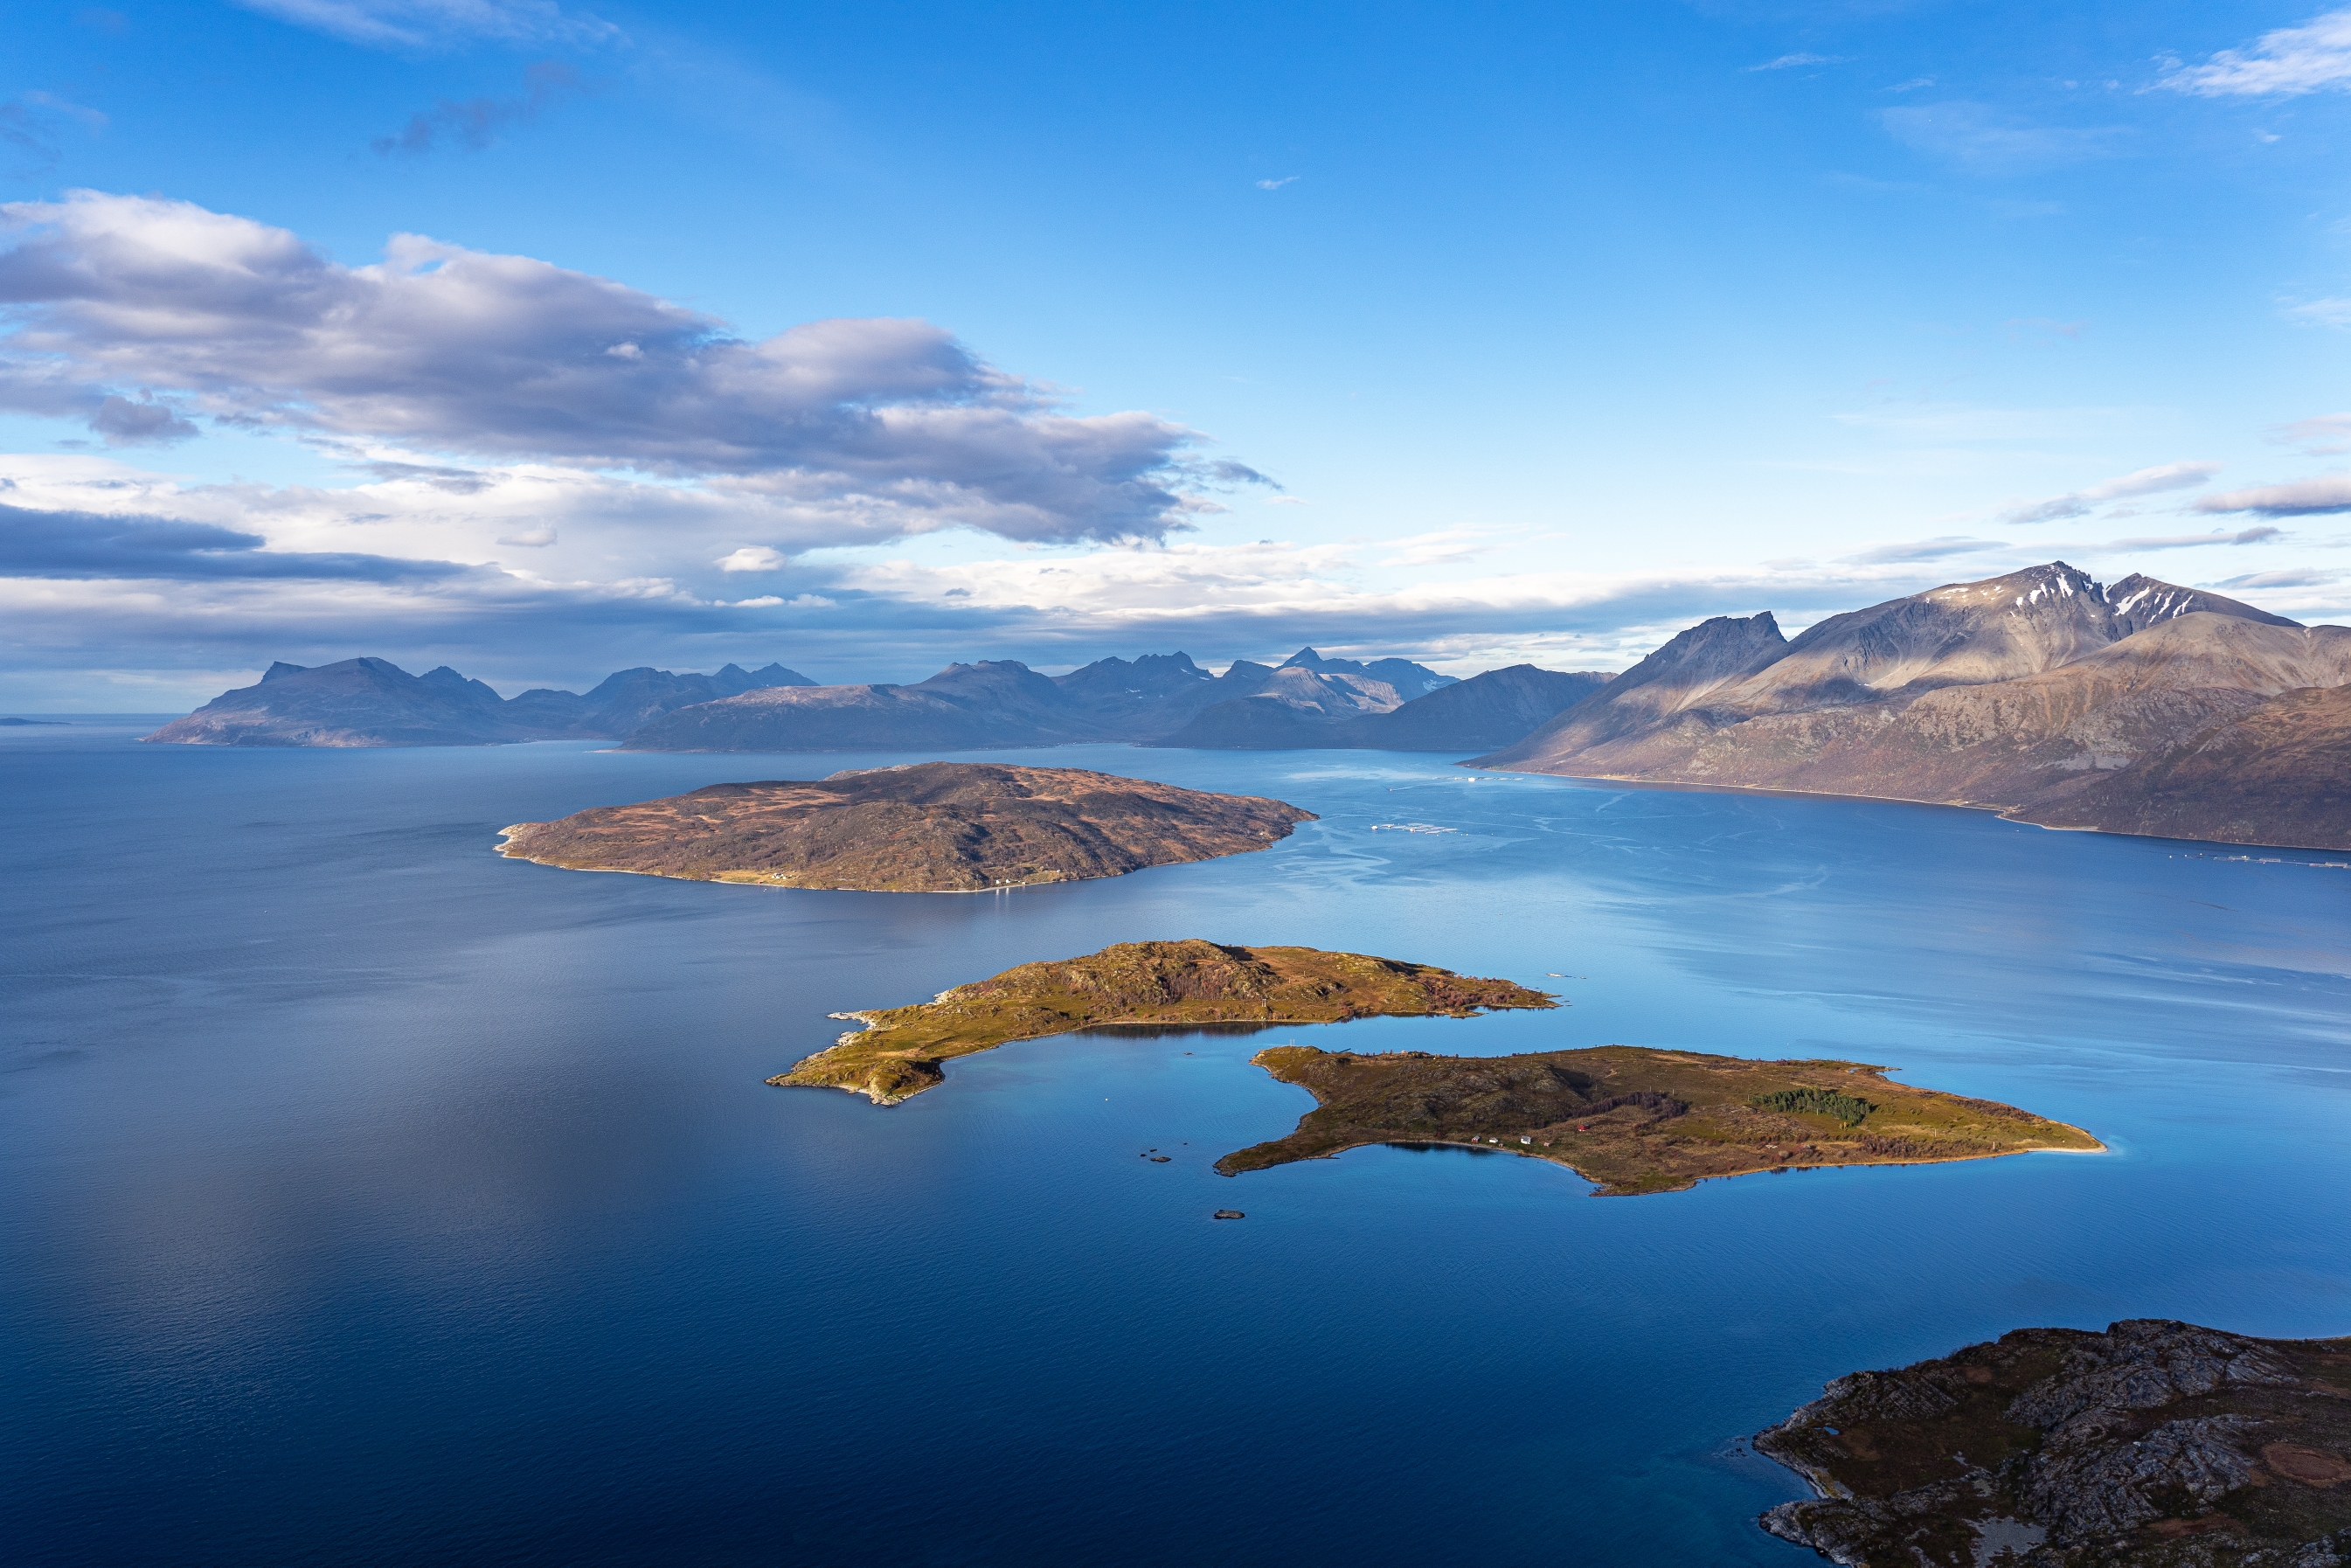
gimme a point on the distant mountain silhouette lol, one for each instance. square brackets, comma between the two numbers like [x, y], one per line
[964, 707]
[1158, 698]
[2042, 693]
[1003, 703]
[1409, 680]
[374, 702]
[1486, 710]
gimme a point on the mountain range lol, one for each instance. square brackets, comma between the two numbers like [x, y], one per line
[1159, 699]
[374, 702]
[1309, 699]
[2139, 707]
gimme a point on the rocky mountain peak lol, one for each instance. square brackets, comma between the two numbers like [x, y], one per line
[2141, 602]
[2055, 583]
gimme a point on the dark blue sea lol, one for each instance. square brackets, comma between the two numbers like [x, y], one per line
[369, 1198]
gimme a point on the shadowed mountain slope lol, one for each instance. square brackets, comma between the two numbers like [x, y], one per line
[2279, 774]
[1133, 700]
[1295, 702]
[1676, 677]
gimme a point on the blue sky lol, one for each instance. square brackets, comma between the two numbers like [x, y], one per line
[866, 338]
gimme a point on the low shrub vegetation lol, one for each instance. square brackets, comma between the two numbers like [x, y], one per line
[1845, 1108]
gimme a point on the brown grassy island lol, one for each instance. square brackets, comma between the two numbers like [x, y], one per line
[930, 827]
[1630, 1119]
[2153, 1445]
[1634, 1120]
[898, 1052]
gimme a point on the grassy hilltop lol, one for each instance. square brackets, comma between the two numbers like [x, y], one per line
[1176, 983]
[1639, 1121]
[1631, 1119]
[929, 827]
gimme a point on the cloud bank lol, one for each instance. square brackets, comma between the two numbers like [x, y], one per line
[2144, 482]
[414, 26]
[2286, 63]
[139, 315]
[2301, 498]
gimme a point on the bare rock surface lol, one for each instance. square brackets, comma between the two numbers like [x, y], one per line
[2156, 1443]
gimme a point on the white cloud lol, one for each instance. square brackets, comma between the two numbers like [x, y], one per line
[1959, 423]
[540, 537]
[1276, 184]
[474, 123]
[2287, 62]
[2323, 312]
[2324, 436]
[2301, 498]
[753, 558]
[1442, 548]
[2144, 482]
[414, 24]
[1986, 140]
[1255, 595]
[2292, 577]
[1914, 550]
[138, 315]
[2262, 534]
[1789, 62]
[1913, 85]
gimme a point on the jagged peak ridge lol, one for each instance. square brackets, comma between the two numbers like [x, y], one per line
[2053, 580]
[2141, 601]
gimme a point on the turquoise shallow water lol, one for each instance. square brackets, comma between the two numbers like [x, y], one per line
[369, 1198]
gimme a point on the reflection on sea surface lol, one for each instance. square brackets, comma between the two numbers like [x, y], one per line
[370, 1197]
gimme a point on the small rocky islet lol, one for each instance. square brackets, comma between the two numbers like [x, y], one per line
[929, 827]
[2155, 1443]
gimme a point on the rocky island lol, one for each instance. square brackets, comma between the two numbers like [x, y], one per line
[931, 827]
[1635, 1120]
[898, 1052]
[2153, 1445]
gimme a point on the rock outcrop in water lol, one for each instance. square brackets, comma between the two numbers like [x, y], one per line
[934, 827]
[2042, 693]
[2153, 1445]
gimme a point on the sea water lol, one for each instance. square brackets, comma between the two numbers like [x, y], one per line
[369, 1198]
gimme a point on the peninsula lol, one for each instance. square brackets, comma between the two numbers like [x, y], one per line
[2153, 1445]
[1635, 1120]
[932, 827]
[1178, 984]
